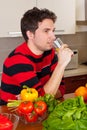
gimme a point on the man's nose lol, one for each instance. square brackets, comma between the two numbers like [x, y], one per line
[53, 36]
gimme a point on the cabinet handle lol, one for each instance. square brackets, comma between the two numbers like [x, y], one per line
[14, 34]
[81, 78]
[59, 30]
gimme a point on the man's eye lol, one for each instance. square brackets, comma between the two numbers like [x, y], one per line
[54, 30]
[46, 30]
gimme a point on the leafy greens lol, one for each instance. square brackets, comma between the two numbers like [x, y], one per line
[70, 114]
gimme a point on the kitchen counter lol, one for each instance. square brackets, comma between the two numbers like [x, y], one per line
[81, 70]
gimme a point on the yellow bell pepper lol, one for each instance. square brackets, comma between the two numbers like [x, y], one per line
[28, 94]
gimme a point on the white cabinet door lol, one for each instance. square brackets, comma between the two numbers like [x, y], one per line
[81, 10]
[65, 11]
[11, 12]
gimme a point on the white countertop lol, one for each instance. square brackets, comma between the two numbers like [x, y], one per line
[69, 95]
[81, 70]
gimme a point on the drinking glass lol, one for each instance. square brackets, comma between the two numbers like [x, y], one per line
[57, 44]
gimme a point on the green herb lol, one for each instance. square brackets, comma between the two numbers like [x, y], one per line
[13, 103]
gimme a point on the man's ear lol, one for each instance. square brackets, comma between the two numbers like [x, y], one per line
[29, 34]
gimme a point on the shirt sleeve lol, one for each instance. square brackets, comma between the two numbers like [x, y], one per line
[62, 87]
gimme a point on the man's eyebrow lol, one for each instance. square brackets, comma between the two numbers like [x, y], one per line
[49, 29]
[46, 28]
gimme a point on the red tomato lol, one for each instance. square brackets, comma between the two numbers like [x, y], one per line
[5, 123]
[25, 107]
[31, 117]
[40, 107]
[19, 112]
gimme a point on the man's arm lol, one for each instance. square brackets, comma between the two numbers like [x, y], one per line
[64, 57]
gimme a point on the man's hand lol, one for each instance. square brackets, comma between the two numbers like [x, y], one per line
[64, 55]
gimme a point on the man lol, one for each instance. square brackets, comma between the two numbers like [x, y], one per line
[34, 63]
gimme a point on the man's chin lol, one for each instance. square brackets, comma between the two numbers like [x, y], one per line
[48, 49]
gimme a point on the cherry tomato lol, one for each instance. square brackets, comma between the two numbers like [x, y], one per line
[25, 107]
[19, 112]
[31, 117]
[40, 107]
[5, 123]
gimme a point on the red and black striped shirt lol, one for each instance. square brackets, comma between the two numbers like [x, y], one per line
[22, 67]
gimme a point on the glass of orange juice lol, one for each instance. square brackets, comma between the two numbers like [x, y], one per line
[57, 44]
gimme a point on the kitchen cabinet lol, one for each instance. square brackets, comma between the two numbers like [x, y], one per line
[72, 83]
[11, 12]
[65, 11]
[81, 10]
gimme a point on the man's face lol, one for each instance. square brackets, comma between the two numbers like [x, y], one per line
[44, 35]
